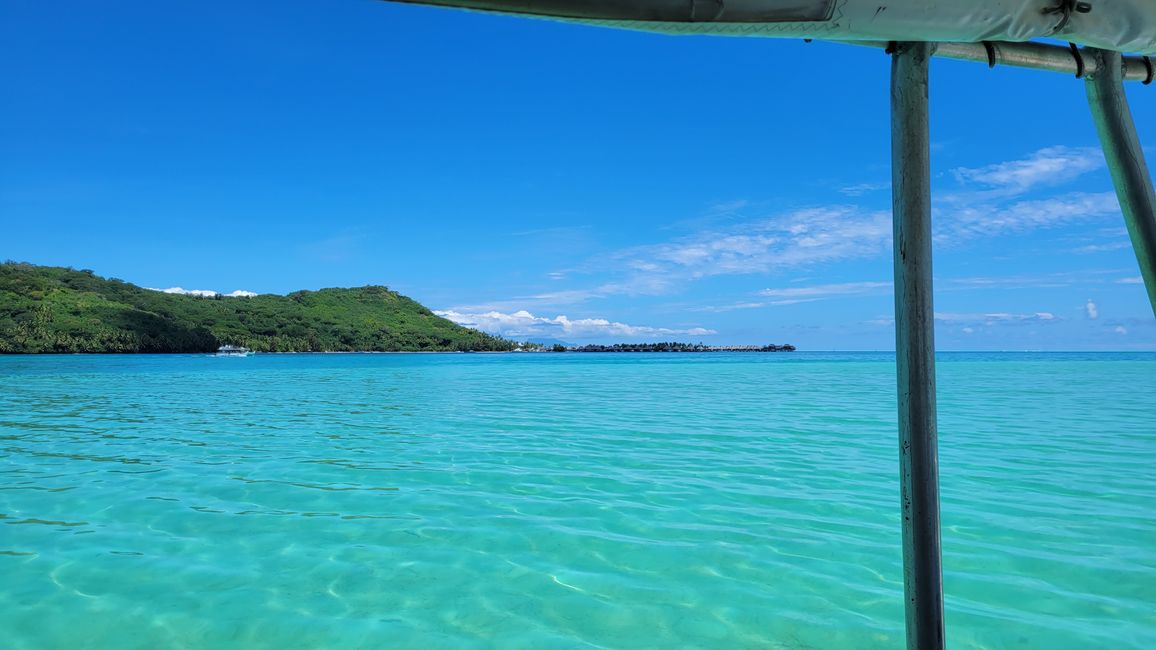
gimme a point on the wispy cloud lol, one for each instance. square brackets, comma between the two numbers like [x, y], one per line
[968, 320]
[989, 203]
[859, 189]
[802, 294]
[731, 307]
[1048, 166]
[1135, 280]
[996, 317]
[727, 207]
[1026, 281]
[337, 249]
[1102, 248]
[1005, 282]
[827, 290]
[523, 323]
[965, 222]
[642, 284]
[564, 231]
[798, 238]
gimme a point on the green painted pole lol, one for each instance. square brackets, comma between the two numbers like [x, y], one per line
[1125, 159]
[915, 345]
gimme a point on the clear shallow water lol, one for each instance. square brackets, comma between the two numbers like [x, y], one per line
[565, 501]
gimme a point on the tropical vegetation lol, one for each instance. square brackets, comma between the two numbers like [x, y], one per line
[54, 309]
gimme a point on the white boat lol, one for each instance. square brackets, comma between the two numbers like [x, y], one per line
[233, 351]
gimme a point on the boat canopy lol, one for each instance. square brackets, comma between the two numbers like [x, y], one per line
[993, 31]
[1126, 26]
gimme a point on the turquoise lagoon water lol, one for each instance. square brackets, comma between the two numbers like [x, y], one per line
[565, 501]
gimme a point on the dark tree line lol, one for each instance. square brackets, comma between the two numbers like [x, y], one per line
[677, 347]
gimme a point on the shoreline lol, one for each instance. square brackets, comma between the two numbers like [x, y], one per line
[495, 352]
[214, 354]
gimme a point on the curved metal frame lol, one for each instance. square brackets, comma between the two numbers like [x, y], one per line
[1125, 159]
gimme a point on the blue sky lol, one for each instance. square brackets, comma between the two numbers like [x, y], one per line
[552, 181]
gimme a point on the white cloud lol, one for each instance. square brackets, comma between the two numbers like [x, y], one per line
[641, 284]
[731, 307]
[814, 235]
[1091, 310]
[204, 293]
[859, 189]
[824, 235]
[796, 295]
[799, 238]
[727, 207]
[827, 290]
[1120, 329]
[985, 220]
[523, 323]
[1102, 248]
[791, 301]
[987, 319]
[186, 292]
[1048, 166]
[1028, 281]
[995, 317]
[1135, 280]
[1004, 282]
[991, 210]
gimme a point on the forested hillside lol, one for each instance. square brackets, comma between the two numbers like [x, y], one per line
[53, 309]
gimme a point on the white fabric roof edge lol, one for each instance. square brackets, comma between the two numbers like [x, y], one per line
[1127, 26]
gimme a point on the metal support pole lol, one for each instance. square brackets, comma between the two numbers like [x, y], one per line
[1125, 158]
[915, 345]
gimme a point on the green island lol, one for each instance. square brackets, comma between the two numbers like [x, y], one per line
[51, 309]
[45, 309]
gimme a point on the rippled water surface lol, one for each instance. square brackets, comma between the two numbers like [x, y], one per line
[565, 501]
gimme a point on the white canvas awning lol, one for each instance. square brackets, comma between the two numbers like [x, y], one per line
[1127, 26]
